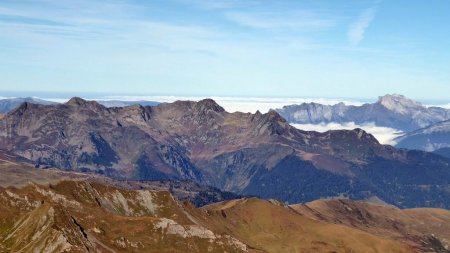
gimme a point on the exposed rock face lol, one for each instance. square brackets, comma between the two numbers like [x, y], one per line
[16, 173]
[83, 215]
[92, 217]
[431, 138]
[256, 154]
[394, 111]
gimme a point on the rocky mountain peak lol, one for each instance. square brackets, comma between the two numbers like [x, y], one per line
[361, 134]
[209, 105]
[270, 121]
[272, 115]
[399, 103]
[75, 101]
[20, 110]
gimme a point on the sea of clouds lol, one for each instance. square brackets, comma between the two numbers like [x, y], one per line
[384, 135]
[233, 104]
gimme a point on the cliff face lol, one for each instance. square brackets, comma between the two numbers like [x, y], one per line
[394, 111]
[256, 154]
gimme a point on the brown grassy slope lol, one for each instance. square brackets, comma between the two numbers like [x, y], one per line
[425, 229]
[20, 173]
[82, 217]
[272, 227]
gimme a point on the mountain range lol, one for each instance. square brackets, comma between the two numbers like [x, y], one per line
[72, 212]
[431, 138]
[248, 154]
[393, 111]
[8, 104]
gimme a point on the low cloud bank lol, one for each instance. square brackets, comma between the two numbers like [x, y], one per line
[231, 104]
[384, 135]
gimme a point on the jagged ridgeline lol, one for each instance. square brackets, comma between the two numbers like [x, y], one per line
[253, 154]
[392, 110]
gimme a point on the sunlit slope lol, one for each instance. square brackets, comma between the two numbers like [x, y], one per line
[426, 229]
[271, 227]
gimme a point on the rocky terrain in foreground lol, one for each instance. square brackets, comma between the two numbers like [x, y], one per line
[81, 215]
[17, 172]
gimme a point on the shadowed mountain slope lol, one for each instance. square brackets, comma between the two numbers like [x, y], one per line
[16, 173]
[431, 138]
[254, 154]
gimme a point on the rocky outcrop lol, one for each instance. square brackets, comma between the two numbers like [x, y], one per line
[90, 217]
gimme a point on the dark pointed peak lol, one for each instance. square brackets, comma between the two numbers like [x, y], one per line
[22, 108]
[362, 134]
[359, 131]
[274, 116]
[28, 99]
[209, 105]
[75, 101]
[270, 116]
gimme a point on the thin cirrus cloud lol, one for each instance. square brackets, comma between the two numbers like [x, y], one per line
[59, 24]
[273, 20]
[359, 27]
[213, 4]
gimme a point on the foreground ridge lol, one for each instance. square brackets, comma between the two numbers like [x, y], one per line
[91, 217]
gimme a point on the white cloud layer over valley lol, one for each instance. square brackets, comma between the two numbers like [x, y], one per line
[384, 135]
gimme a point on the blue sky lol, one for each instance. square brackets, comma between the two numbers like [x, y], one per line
[358, 49]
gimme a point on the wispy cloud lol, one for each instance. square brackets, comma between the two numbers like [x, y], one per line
[272, 20]
[359, 27]
[213, 4]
